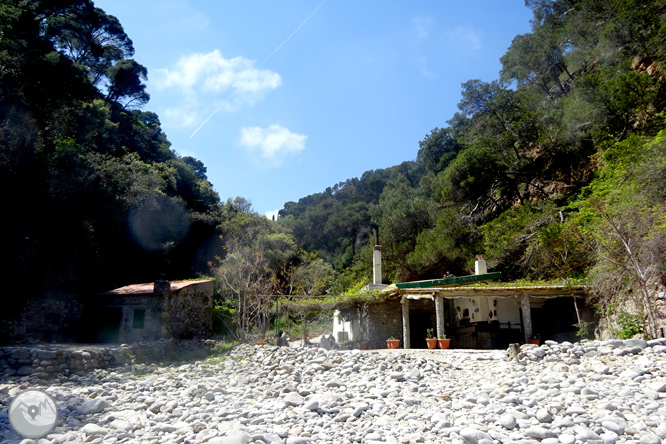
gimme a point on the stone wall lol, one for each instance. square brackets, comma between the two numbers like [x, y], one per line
[47, 319]
[189, 312]
[383, 322]
[49, 361]
[151, 305]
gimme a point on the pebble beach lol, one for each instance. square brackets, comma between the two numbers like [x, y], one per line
[588, 392]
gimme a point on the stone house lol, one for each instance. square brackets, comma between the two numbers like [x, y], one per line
[473, 316]
[151, 311]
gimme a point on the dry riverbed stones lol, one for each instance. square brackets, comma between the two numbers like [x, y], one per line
[588, 392]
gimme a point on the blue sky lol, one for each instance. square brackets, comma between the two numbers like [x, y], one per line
[309, 94]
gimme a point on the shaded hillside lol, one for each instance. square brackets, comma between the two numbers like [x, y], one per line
[337, 222]
[94, 195]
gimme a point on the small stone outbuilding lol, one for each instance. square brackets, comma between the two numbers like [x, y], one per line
[151, 311]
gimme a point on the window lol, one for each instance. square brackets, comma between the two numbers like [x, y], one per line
[139, 318]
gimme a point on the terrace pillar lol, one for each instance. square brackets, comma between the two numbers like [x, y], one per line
[405, 323]
[439, 314]
[527, 316]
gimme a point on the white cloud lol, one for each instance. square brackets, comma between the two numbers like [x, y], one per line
[463, 39]
[272, 214]
[213, 73]
[205, 81]
[180, 16]
[272, 144]
[185, 152]
[422, 28]
[422, 25]
[185, 115]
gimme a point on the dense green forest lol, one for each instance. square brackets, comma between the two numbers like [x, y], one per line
[555, 170]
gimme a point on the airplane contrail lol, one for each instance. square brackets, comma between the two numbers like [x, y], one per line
[262, 64]
[292, 34]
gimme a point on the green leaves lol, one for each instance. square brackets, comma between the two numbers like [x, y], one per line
[402, 213]
[92, 39]
[437, 150]
[119, 205]
[448, 247]
[622, 220]
[313, 277]
[125, 84]
[535, 242]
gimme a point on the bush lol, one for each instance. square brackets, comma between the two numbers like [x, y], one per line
[629, 325]
[224, 317]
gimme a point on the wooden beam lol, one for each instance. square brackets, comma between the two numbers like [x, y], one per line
[450, 281]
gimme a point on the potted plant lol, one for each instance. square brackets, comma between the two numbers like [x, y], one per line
[392, 342]
[534, 339]
[444, 342]
[431, 339]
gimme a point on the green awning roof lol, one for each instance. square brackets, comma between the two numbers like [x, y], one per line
[457, 280]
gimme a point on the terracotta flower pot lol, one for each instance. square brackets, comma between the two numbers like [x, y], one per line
[261, 342]
[444, 343]
[365, 345]
[393, 343]
[535, 341]
[432, 343]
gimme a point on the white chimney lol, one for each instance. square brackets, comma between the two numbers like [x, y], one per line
[377, 265]
[480, 266]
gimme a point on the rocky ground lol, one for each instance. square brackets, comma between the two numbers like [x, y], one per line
[594, 392]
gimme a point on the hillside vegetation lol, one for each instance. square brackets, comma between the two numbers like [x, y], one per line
[554, 170]
[557, 169]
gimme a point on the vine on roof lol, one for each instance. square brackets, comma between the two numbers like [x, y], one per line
[340, 302]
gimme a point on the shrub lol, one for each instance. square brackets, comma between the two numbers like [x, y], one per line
[629, 325]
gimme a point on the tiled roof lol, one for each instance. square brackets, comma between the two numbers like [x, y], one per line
[137, 289]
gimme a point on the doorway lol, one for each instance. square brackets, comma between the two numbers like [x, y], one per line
[108, 329]
[419, 323]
